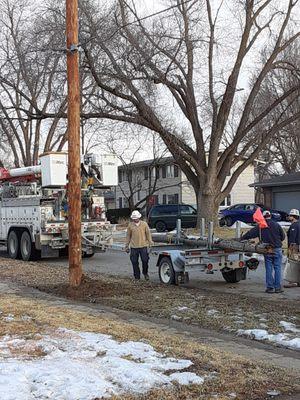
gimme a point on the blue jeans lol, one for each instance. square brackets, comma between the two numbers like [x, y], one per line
[135, 253]
[273, 261]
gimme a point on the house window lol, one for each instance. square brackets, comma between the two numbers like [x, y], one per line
[163, 171]
[170, 171]
[164, 199]
[146, 173]
[226, 202]
[176, 171]
[157, 172]
[173, 198]
[120, 176]
[120, 202]
[129, 175]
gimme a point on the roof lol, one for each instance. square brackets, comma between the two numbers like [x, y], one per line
[281, 180]
[153, 162]
[145, 163]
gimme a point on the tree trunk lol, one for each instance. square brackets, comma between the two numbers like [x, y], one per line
[207, 206]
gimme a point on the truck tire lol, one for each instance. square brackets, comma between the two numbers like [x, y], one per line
[166, 271]
[13, 245]
[160, 226]
[235, 275]
[27, 248]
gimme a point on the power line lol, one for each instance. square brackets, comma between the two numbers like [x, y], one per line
[143, 19]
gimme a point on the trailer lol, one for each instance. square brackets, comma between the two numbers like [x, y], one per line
[179, 255]
[34, 207]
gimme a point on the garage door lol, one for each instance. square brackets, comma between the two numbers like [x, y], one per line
[285, 201]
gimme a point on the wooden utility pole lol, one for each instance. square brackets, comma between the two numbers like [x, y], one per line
[74, 178]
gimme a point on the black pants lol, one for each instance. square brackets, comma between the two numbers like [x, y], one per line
[134, 258]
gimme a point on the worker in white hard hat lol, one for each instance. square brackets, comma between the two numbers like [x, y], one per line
[292, 269]
[138, 241]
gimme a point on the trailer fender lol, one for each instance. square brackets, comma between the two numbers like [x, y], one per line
[176, 258]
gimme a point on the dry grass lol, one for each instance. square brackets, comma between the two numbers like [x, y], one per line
[156, 300]
[251, 380]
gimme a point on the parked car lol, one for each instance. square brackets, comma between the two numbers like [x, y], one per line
[244, 213]
[164, 217]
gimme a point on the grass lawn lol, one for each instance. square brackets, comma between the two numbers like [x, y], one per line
[228, 375]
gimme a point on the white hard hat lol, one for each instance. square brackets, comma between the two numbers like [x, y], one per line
[267, 213]
[294, 212]
[136, 215]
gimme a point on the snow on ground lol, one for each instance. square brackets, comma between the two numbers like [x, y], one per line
[243, 225]
[289, 327]
[280, 339]
[84, 366]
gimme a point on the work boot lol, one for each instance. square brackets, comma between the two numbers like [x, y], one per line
[269, 290]
[146, 277]
[279, 290]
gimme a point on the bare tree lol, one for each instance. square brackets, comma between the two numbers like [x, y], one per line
[282, 155]
[181, 78]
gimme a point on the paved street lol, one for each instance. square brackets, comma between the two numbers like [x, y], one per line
[118, 263]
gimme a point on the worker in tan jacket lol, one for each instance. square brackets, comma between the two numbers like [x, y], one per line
[138, 240]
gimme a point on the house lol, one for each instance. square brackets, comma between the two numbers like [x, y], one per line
[280, 192]
[171, 185]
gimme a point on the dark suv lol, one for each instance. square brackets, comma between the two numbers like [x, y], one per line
[164, 217]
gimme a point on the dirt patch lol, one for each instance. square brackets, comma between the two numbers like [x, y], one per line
[215, 310]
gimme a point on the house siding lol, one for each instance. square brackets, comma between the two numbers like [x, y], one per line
[241, 192]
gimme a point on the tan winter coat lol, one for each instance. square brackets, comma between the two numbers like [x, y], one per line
[138, 235]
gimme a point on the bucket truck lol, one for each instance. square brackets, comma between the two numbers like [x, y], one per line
[34, 206]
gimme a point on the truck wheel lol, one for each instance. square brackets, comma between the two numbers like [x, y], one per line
[13, 245]
[235, 275]
[160, 226]
[27, 247]
[166, 271]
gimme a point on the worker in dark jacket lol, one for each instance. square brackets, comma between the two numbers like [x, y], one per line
[273, 235]
[291, 272]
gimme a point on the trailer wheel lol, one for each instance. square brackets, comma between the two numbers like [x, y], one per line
[27, 247]
[166, 271]
[13, 245]
[234, 275]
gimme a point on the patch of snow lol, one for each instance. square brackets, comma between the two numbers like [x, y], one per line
[9, 318]
[176, 317]
[263, 325]
[212, 312]
[289, 327]
[84, 366]
[26, 318]
[183, 308]
[281, 339]
[273, 393]
[243, 225]
[186, 378]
